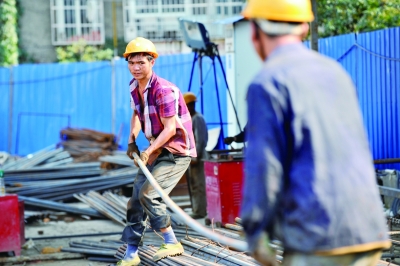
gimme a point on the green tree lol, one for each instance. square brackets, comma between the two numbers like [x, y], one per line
[81, 52]
[8, 33]
[346, 16]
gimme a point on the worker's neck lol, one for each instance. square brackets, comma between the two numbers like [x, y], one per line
[272, 43]
[143, 82]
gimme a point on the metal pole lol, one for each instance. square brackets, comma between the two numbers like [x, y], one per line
[201, 81]
[10, 110]
[221, 136]
[115, 38]
[191, 72]
[113, 96]
[229, 91]
[195, 225]
[314, 27]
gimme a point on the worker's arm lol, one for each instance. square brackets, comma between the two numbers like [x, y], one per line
[134, 128]
[264, 168]
[133, 133]
[168, 131]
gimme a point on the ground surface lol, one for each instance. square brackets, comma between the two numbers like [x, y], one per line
[79, 226]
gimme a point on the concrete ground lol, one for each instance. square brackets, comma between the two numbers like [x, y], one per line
[40, 229]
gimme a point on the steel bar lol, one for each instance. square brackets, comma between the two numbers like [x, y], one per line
[102, 259]
[99, 208]
[72, 236]
[201, 261]
[59, 206]
[219, 253]
[388, 191]
[89, 251]
[194, 252]
[222, 250]
[237, 244]
[234, 227]
[94, 245]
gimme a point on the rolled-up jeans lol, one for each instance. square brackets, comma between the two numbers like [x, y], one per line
[146, 203]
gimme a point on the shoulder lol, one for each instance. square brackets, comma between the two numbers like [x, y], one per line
[161, 84]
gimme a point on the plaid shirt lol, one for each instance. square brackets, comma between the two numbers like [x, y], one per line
[164, 99]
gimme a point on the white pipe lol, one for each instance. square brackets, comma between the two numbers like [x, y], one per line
[195, 225]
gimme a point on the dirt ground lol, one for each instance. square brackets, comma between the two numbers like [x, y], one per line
[61, 228]
[78, 226]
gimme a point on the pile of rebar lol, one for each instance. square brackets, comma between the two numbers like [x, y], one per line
[60, 183]
[48, 157]
[87, 145]
[198, 250]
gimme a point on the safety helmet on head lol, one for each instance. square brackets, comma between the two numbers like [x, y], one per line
[189, 97]
[282, 10]
[140, 45]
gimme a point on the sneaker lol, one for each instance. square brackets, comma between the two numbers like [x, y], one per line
[129, 262]
[168, 250]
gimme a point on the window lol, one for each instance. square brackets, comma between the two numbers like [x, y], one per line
[229, 7]
[173, 6]
[158, 19]
[199, 7]
[72, 20]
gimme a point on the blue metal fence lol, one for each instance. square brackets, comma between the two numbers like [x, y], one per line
[49, 97]
[96, 95]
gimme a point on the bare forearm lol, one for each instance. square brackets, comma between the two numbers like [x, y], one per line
[165, 135]
[134, 128]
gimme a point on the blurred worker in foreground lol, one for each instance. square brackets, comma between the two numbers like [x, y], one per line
[309, 178]
[160, 112]
[196, 178]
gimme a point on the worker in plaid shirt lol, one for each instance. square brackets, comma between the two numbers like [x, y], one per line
[159, 110]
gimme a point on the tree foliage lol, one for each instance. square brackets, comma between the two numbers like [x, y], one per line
[81, 52]
[8, 33]
[345, 16]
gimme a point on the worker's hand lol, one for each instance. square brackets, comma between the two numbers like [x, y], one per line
[144, 157]
[263, 253]
[229, 140]
[132, 147]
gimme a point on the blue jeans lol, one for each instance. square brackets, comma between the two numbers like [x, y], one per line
[146, 203]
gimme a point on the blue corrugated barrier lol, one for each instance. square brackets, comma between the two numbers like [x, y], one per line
[47, 97]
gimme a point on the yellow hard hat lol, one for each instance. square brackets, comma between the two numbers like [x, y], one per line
[282, 10]
[189, 97]
[140, 45]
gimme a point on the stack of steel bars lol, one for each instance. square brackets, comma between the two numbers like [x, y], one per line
[48, 157]
[60, 183]
[114, 206]
[198, 250]
[87, 145]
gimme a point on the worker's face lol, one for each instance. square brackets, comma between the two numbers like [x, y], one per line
[257, 43]
[140, 67]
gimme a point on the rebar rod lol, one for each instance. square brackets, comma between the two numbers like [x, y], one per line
[89, 251]
[237, 244]
[215, 252]
[58, 206]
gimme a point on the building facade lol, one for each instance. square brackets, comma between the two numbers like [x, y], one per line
[47, 24]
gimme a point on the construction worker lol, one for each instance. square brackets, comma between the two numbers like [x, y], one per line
[309, 178]
[196, 177]
[159, 110]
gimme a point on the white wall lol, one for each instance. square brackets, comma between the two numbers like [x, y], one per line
[242, 64]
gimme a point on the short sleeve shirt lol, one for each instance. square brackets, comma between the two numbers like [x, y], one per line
[163, 99]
